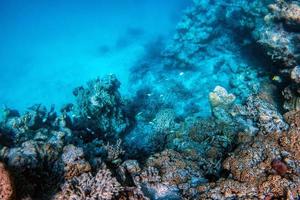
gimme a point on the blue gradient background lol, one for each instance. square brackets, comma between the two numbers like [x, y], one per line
[48, 47]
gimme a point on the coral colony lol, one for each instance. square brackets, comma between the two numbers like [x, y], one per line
[214, 115]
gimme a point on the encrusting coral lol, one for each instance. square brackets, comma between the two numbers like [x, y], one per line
[266, 167]
[7, 190]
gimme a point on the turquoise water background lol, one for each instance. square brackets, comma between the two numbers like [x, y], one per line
[49, 47]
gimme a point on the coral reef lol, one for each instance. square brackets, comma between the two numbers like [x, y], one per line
[221, 102]
[266, 167]
[100, 109]
[7, 190]
[114, 152]
[265, 114]
[73, 159]
[86, 186]
[202, 120]
[279, 35]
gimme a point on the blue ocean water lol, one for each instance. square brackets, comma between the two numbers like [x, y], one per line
[49, 47]
[154, 99]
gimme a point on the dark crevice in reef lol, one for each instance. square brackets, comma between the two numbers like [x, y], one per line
[204, 119]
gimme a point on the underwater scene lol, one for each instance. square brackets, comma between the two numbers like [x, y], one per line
[150, 99]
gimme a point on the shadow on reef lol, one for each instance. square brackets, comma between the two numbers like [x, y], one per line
[203, 119]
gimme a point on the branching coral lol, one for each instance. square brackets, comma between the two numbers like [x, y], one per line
[267, 167]
[75, 164]
[114, 152]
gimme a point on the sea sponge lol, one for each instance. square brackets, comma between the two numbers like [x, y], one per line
[7, 191]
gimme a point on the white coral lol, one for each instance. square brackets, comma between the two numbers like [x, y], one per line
[220, 96]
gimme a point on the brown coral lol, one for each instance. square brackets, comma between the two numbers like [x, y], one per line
[6, 184]
[293, 118]
[75, 164]
[267, 167]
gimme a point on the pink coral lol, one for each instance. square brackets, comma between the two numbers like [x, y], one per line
[6, 184]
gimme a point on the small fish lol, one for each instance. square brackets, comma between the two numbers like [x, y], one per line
[161, 95]
[89, 130]
[181, 73]
[149, 94]
[89, 117]
[139, 113]
[277, 79]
